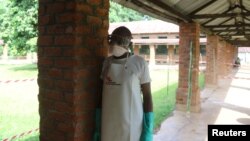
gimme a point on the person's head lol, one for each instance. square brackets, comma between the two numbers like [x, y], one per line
[120, 40]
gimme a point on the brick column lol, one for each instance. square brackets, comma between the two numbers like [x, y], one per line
[71, 47]
[188, 32]
[136, 49]
[211, 78]
[230, 58]
[152, 55]
[221, 58]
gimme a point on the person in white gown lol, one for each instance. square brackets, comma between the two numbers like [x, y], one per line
[126, 110]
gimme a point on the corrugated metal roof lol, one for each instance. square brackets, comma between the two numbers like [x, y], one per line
[211, 14]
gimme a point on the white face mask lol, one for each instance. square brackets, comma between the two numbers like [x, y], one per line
[118, 51]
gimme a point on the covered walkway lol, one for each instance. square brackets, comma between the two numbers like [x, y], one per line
[228, 103]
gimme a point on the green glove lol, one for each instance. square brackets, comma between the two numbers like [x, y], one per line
[97, 134]
[148, 126]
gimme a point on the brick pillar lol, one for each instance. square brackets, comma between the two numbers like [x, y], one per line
[221, 58]
[211, 78]
[71, 47]
[188, 32]
[136, 49]
[170, 49]
[152, 55]
[230, 59]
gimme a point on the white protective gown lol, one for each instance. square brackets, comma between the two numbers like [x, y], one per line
[122, 109]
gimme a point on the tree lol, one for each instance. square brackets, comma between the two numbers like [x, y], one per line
[118, 13]
[19, 25]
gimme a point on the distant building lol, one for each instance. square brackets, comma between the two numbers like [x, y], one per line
[157, 41]
[244, 55]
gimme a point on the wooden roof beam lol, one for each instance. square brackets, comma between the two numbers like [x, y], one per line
[223, 26]
[229, 30]
[229, 9]
[205, 16]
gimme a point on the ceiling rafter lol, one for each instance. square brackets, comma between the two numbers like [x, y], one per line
[229, 9]
[140, 4]
[228, 30]
[205, 16]
[223, 26]
[202, 7]
[168, 8]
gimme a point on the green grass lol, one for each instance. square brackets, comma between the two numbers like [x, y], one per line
[18, 71]
[164, 103]
[164, 98]
[19, 103]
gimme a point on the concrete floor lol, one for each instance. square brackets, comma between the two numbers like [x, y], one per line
[227, 103]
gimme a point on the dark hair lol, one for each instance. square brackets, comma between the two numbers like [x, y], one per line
[121, 36]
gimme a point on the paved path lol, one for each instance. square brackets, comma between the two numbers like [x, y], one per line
[228, 103]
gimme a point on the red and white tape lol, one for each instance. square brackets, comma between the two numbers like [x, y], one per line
[21, 135]
[16, 81]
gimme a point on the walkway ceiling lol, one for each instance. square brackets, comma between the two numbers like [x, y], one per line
[229, 19]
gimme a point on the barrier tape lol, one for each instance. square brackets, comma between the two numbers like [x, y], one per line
[16, 81]
[21, 135]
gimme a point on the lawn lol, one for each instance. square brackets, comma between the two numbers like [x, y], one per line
[19, 103]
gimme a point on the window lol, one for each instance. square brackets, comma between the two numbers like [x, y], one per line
[162, 37]
[144, 50]
[176, 50]
[162, 50]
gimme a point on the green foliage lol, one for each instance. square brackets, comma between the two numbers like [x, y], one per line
[118, 13]
[2, 7]
[18, 24]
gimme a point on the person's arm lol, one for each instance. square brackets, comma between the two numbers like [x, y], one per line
[147, 97]
[148, 115]
[99, 95]
[98, 111]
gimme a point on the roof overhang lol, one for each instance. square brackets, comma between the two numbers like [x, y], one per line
[229, 19]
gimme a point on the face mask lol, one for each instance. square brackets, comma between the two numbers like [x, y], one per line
[118, 51]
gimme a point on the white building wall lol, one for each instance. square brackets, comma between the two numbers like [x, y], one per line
[244, 57]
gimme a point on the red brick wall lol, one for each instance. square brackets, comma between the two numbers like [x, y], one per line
[211, 55]
[71, 47]
[188, 32]
[221, 58]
